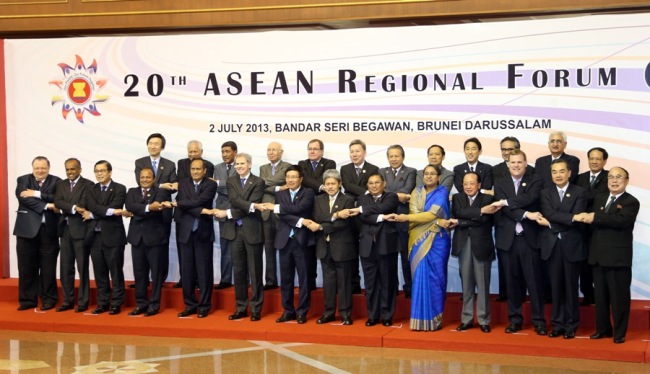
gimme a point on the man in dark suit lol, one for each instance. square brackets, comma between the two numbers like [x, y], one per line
[164, 172]
[473, 149]
[244, 231]
[294, 206]
[313, 168]
[336, 247]
[222, 172]
[473, 245]
[196, 234]
[194, 151]
[37, 244]
[273, 175]
[517, 236]
[595, 182]
[105, 202]
[563, 247]
[508, 144]
[148, 242]
[556, 144]
[378, 250]
[354, 178]
[70, 198]
[610, 254]
[400, 179]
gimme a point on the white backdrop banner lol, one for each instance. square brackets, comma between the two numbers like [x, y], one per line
[100, 97]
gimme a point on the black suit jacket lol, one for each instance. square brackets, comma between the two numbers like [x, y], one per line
[501, 170]
[383, 234]
[482, 169]
[356, 186]
[526, 199]
[31, 209]
[560, 215]
[612, 230]
[184, 168]
[343, 246]
[145, 227]
[543, 168]
[65, 199]
[113, 233]
[190, 203]
[600, 186]
[314, 178]
[290, 213]
[240, 201]
[473, 225]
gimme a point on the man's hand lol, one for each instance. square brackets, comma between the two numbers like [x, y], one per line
[27, 193]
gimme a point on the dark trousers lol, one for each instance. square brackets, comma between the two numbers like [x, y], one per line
[565, 311]
[312, 266]
[403, 247]
[226, 258]
[247, 261]
[197, 270]
[108, 261]
[523, 271]
[381, 281]
[294, 259]
[149, 260]
[503, 282]
[612, 288]
[37, 258]
[270, 253]
[74, 251]
[337, 279]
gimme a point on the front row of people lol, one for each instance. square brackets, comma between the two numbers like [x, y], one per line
[531, 224]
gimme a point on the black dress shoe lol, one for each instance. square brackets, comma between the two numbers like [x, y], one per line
[513, 328]
[325, 319]
[371, 322]
[25, 307]
[150, 312]
[302, 319]
[47, 306]
[347, 321]
[407, 294]
[485, 328]
[541, 330]
[619, 340]
[387, 322]
[286, 317]
[203, 313]
[356, 290]
[600, 335]
[464, 326]
[115, 310]
[64, 307]
[586, 302]
[80, 309]
[256, 317]
[501, 298]
[100, 309]
[270, 287]
[555, 333]
[569, 335]
[132, 285]
[222, 285]
[187, 312]
[237, 315]
[138, 310]
[178, 285]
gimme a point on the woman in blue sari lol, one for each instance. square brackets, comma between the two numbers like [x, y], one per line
[429, 248]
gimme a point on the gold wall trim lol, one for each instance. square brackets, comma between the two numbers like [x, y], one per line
[33, 2]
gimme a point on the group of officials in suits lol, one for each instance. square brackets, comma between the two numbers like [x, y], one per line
[549, 221]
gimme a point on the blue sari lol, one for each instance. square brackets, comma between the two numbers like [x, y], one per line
[429, 246]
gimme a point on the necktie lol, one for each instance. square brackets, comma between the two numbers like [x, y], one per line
[144, 193]
[561, 195]
[228, 167]
[196, 187]
[71, 185]
[518, 227]
[591, 183]
[40, 184]
[358, 172]
[376, 198]
[293, 195]
[517, 182]
[471, 200]
[314, 165]
[471, 168]
[327, 239]
[395, 172]
[155, 168]
[243, 182]
[609, 203]
[273, 170]
[195, 224]
[104, 188]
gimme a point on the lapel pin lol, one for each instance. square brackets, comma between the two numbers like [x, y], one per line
[568, 195]
[523, 184]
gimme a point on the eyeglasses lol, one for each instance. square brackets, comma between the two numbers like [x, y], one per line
[553, 141]
[618, 177]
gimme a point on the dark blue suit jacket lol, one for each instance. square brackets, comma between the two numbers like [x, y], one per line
[31, 209]
[190, 203]
[383, 234]
[560, 215]
[146, 227]
[290, 213]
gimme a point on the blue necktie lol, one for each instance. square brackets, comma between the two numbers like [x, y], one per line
[155, 168]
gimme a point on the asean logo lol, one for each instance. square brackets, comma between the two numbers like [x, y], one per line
[79, 90]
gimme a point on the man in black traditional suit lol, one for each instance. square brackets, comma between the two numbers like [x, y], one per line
[148, 242]
[105, 202]
[563, 246]
[473, 149]
[71, 199]
[37, 242]
[610, 254]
